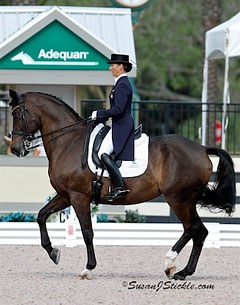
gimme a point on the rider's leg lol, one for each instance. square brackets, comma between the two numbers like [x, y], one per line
[115, 176]
[107, 145]
[104, 154]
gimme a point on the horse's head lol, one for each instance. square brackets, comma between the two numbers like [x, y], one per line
[24, 125]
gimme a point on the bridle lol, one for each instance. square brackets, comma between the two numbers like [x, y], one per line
[28, 137]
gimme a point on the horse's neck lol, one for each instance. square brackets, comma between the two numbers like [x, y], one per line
[58, 129]
[55, 118]
[65, 142]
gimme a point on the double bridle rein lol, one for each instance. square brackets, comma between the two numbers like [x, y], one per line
[28, 137]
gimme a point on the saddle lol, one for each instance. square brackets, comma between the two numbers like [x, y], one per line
[96, 144]
[127, 168]
[98, 141]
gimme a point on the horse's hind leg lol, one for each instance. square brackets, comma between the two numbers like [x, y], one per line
[193, 229]
[56, 204]
[198, 234]
[173, 253]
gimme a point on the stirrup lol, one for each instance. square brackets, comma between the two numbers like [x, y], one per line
[117, 193]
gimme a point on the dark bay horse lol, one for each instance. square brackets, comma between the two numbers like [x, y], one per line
[178, 168]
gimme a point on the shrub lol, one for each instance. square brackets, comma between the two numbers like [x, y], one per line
[132, 216]
[18, 217]
[102, 218]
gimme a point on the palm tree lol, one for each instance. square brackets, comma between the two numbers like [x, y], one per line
[211, 16]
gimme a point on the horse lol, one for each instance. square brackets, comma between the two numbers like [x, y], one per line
[178, 168]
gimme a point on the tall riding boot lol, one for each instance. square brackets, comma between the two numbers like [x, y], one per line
[119, 190]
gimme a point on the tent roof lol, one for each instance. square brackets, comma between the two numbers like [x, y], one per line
[224, 39]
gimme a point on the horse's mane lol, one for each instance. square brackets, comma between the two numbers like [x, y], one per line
[59, 102]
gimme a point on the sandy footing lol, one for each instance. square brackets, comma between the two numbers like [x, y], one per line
[124, 275]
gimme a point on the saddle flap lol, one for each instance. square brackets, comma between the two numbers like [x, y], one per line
[97, 144]
[98, 141]
[127, 168]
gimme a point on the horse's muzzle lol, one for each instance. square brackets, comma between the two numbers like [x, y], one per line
[19, 150]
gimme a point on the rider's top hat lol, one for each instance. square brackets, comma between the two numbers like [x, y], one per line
[121, 59]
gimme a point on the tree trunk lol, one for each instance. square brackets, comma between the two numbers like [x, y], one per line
[211, 16]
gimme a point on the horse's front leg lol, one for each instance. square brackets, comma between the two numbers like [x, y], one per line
[81, 206]
[56, 204]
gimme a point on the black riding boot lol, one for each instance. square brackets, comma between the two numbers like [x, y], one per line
[119, 190]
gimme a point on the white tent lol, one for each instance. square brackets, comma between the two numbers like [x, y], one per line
[223, 41]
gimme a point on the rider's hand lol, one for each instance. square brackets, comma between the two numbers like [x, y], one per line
[93, 116]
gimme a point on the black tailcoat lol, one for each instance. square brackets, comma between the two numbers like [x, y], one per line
[122, 121]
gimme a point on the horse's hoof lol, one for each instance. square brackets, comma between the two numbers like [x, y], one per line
[55, 255]
[179, 277]
[86, 274]
[170, 272]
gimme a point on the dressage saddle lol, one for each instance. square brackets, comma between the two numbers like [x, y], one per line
[98, 141]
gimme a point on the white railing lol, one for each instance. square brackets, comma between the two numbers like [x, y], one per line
[69, 234]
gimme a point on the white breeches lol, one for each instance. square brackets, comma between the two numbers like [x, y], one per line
[107, 145]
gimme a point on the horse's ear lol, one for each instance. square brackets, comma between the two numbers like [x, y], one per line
[15, 96]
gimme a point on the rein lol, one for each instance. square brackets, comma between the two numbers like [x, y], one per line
[29, 137]
[60, 130]
[63, 129]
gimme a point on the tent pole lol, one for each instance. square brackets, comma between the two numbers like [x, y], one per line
[225, 94]
[204, 101]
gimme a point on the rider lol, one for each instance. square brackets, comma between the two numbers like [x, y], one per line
[120, 138]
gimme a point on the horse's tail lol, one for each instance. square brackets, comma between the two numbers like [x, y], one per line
[222, 194]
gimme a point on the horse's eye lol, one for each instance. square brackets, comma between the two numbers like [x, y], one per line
[16, 116]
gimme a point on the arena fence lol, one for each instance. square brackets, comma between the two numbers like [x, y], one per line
[130, 234]
[182, 117]
[164, 117]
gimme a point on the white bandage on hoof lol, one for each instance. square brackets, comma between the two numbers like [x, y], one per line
[86, 274]
[170, 263]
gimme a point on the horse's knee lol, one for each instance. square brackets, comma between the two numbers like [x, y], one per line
[41, 218]
[87, 236]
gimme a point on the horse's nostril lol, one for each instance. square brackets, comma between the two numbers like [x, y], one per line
[15, 151]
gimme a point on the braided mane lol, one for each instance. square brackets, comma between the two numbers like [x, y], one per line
[58, 101]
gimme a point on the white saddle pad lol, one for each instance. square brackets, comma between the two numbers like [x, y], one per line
[128, 168]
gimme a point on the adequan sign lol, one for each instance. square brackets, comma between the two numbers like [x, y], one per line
[54, 47]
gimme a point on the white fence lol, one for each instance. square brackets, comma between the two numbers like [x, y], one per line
[220, 235]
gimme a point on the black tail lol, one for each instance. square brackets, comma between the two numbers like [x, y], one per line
[223, 194]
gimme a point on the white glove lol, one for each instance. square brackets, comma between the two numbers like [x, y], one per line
[94, 115]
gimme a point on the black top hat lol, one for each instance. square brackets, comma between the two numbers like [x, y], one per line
[121, 59]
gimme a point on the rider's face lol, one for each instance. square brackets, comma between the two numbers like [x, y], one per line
[116, 69]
